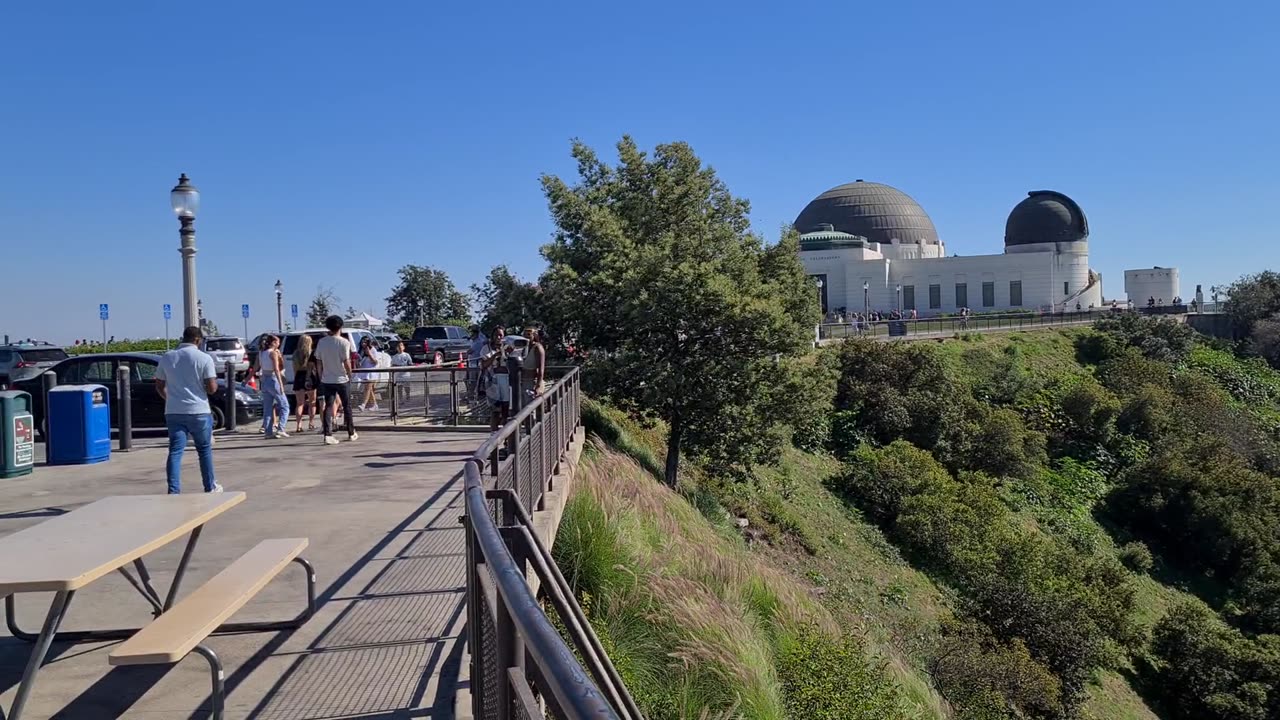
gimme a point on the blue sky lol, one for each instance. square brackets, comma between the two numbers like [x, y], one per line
[334, 142]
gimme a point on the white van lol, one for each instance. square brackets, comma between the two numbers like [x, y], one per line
[355, 335]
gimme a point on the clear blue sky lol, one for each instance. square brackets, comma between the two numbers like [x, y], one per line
[336, 141]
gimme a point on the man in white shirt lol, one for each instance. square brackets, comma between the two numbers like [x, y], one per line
[333, 355]
[185, 378]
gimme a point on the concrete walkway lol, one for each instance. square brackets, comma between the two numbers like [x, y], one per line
[382, 516]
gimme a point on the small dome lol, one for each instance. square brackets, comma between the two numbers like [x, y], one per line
[1045, 216]
[877, 212]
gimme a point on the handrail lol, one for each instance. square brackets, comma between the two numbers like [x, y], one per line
[513, 643]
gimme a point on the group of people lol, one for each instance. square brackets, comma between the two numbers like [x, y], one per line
[322, 375]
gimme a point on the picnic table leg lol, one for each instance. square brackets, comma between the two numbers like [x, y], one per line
[146, 591]
[182, 567]
[218, 677]
[57, 610]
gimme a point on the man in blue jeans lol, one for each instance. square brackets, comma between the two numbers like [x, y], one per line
[185, 378]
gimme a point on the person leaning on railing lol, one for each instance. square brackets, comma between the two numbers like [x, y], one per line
[534, 366]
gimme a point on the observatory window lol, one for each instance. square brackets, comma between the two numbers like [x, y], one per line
[1015, 293]
[962, 295]
[908, 297]
[988, 294]
[935, 297]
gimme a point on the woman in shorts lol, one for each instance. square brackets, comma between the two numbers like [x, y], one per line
[305, 383]
[497, 381]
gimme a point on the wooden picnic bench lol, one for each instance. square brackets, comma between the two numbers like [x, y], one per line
[65, 553]
[180, 630]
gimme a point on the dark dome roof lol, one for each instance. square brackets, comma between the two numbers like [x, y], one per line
[1045, 216]
[877, 212]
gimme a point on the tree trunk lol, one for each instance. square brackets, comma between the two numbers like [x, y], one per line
[673, 451]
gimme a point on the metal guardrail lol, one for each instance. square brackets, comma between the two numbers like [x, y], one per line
[521, 666]
[944, 326]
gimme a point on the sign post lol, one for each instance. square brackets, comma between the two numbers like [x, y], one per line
[244, 313]
[168, 313]
[293, 310]
[103, 314]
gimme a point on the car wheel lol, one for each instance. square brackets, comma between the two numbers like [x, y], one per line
[437, 360]
[219, 417]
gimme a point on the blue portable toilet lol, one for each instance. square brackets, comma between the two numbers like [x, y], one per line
[79, 422]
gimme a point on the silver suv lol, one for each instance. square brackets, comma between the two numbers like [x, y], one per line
[27, 360]
[227, 349]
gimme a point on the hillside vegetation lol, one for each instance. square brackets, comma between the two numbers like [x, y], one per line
[1063, 524]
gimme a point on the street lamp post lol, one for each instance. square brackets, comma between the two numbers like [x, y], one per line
[818, 282]
[866, 299]
[185, 200]
[199, 315]
[279, 306]
[899, 291]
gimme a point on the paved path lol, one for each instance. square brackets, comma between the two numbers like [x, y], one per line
[381, 514]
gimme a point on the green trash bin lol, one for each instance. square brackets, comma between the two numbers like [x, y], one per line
[17, 434]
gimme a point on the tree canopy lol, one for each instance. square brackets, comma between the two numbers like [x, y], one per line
[681, 308]
[504, 300]
[426, 296]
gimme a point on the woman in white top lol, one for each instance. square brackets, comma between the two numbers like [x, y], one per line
[368, 360]
[271, 382]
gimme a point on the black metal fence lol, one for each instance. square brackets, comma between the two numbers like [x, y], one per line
[521, 666]
[948, 326]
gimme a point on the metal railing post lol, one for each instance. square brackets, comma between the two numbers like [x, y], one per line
[48, 381]
[453, 397]
[124, 390]
[229, 420]
[395, 392]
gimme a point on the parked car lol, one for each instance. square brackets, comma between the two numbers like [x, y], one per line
[148, 406]
[21, 361]
[386, 341]
[251, 351]
[224, 349]
[355, 335]
[434, 344]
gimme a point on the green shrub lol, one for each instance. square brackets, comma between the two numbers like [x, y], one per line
[986, 679]
[830, 678]
[881, 479]
[1136, 557]
[1156, 337]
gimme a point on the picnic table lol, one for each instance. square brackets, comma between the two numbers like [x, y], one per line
[68, 552]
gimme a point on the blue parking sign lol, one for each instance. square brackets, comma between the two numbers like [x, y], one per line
[102, 311]
[293, 310]
[244, 311]
[168, 311]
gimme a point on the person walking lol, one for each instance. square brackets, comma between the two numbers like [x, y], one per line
[403, 380]
[368, 380]
[333, 357]
[497, 381]
[475, 356]
[185, 378]
[275, 404]
[533, 366]
[305, 383]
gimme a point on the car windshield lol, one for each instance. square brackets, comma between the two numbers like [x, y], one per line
[431, 333]
[223, 344]
[43, 355]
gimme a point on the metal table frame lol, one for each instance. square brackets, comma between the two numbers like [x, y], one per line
[142, 583]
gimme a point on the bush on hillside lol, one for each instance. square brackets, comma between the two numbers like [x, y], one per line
[827, 677]
[986, 679]
[1136, 557]
[1211, 672]
[1156, 337]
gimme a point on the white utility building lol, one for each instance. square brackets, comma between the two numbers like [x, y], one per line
[870, 246]
[1157, 285]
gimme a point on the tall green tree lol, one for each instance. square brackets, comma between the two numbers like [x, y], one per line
[324, 304]
[683, 312]
[426, 296]
[504, 300]
[1253, 298]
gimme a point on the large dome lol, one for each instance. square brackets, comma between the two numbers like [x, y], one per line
[877, 212]
[1045, 216]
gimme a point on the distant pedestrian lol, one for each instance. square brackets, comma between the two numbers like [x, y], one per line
[403, 380]
[475, 355]
[534, 365]
[185, 378]
[271, 381]
[368, 380]
[333, 356]
[497, 380]
[305, 382]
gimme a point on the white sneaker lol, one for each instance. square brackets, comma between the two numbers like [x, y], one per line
[375, 407]
[281, 434]
[330, 440]
[262, 429]
[216, 488]
[353, 437]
